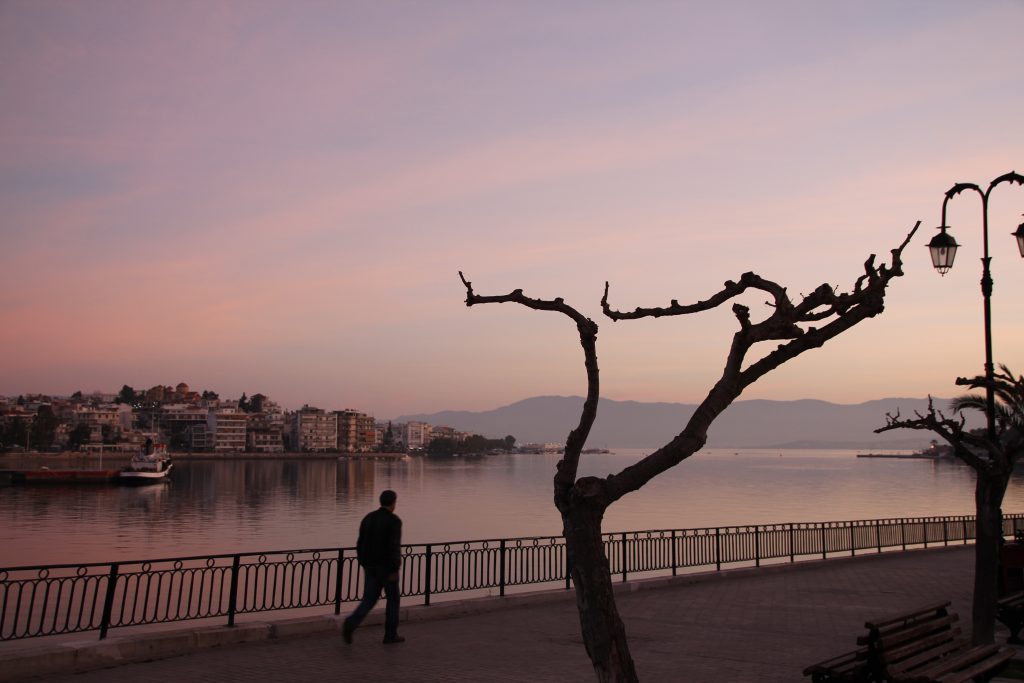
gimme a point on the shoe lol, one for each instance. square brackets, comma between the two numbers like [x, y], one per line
[346, 633]
[393, 640]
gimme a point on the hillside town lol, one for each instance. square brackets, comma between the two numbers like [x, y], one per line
[191, 421]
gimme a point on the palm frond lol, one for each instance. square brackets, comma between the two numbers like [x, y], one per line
[1008, 390]
[968, 401]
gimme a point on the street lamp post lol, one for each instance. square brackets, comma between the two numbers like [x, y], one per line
[943, 248]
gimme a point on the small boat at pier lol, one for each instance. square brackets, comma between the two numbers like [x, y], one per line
[151, 466]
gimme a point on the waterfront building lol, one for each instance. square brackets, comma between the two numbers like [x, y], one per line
[416, 434]
[264, 433]
[313, 429]
[184, 425]
[367, 439]
[226, 430]
[198, 436]
[442, 433]
[104, 421]
[357, 432]
[397, 435]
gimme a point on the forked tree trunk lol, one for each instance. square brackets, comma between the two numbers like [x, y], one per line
[988, 500]
[604, 634]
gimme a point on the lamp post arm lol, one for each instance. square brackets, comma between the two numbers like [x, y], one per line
[1011, 177]
[957, 189]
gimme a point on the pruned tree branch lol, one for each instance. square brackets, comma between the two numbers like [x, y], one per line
[965, 445]
[567, 468]
[788, 322]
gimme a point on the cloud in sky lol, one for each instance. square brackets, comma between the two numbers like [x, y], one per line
[256, 197]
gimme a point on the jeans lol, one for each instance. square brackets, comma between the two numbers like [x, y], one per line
[373, 582]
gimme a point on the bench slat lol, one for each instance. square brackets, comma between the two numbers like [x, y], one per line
[880, 624]
[916, 632]
[990, 665]
[955, 661]
[922, 656]
[1012, 600]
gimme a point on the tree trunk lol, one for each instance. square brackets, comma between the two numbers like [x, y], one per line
[604, 634]
[988, 500]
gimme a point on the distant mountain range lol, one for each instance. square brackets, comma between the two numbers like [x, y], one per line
[746, 424]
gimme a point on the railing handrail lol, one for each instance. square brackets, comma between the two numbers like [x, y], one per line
[511, 539]
[40, 600]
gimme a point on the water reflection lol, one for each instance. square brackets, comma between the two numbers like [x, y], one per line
[248, 505]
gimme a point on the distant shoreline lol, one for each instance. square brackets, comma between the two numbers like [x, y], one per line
[72, 456]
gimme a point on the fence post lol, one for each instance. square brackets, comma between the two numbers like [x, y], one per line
[878, 536]
[924, 530]
[233, 597]
[853, 541]
[757, 545]
[625, 557]
[792, 547]
[675, 561]
[338, 582]
[824, 548]
[718, 548]
[427, 573]
[108, 600]
[945, 531]
[568, 567]
[965, 530]
[903, 532]
[501, 570]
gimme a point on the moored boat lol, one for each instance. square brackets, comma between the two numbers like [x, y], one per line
[151, 466]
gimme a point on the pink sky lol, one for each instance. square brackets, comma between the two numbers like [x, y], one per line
[277, 198]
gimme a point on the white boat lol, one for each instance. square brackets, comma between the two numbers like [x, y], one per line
[150, 466]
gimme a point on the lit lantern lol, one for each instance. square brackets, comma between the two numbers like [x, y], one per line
[943, 249]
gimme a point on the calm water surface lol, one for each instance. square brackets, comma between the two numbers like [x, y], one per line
[247, 505]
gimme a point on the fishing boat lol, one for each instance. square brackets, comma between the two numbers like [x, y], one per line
[151, 466]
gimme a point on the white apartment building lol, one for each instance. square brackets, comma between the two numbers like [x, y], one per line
[416, 434]
[226, 430]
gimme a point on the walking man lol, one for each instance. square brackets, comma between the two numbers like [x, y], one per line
[379, 550]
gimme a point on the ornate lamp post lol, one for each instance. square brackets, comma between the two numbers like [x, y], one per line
[943, 249]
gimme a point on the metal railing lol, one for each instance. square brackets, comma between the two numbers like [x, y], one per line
[70, 598]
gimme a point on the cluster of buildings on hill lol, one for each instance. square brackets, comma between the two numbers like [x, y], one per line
[191, 421]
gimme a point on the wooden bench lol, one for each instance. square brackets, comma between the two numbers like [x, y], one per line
[923, 645]
[1010, 611]
[928, 646]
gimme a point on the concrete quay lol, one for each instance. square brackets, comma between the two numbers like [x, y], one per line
[737, 626]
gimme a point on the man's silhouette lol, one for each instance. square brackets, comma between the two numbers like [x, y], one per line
[379, 550]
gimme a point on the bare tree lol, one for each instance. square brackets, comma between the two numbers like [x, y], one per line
[582, 501]
[993, 461]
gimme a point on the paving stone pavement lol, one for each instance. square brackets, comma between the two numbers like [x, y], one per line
[760, 627]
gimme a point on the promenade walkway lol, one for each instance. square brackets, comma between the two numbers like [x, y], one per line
[742, 626]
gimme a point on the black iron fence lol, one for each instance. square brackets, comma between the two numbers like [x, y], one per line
[69, 598]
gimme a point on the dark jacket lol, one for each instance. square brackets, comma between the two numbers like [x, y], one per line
[379, 547]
